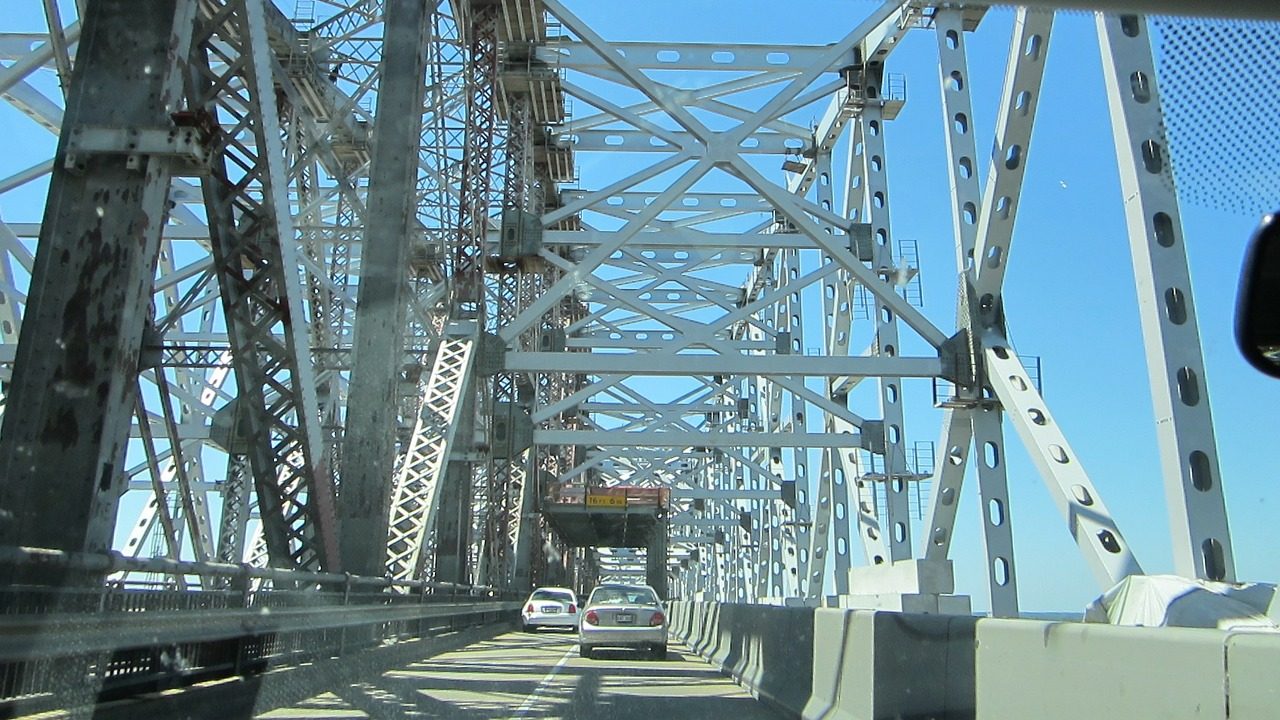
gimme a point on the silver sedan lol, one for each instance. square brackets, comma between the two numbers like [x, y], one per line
[623, 616]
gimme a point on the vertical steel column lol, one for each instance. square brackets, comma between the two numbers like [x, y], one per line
[327, 282]
[896, 525]
[477, 161]
[233, 529]
[524, 536]
[453, 524]
[770, 398]
[1179, 389]
[746, 392]
[957, 107]
[467, 271]
[791, 309]
[369, 447]
[1020, 98]
[824, 491]
[512, 476]
[984, 421]
[948, 479]
[69, 404]
[993, 493]
[656, 560]
[863, 491]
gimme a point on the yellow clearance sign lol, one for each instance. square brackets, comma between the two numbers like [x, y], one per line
[597, 498]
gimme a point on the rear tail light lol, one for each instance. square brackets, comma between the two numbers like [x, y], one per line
[529, 608]
[573, 608]
[657, 619]
[592, 618]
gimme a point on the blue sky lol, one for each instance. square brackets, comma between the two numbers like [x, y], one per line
[1070, 295]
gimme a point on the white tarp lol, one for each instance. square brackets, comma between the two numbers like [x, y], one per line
[1168, 600]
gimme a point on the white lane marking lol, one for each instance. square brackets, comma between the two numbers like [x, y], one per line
[527, 705]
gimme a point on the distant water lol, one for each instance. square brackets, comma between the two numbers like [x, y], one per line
[1053, 616]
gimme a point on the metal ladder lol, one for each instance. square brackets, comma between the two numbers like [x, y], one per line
[304, 14]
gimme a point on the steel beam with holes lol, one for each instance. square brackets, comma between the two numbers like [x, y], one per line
[896, 523]
[757, 365]
[683, 439]
[1170, 332]
[1078, 501]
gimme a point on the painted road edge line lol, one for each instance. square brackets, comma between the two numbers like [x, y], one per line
[527, 705]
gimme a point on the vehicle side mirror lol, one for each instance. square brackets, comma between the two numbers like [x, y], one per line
[1258, 305]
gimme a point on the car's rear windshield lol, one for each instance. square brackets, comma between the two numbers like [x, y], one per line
[623, 596]
[552, 595]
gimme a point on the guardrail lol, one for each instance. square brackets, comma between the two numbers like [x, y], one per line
[855, 664]
[65, 646]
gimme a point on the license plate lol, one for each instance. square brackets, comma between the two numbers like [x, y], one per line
[624, 618]
[550, 609]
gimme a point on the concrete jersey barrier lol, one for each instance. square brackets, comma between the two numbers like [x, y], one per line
[818, 663]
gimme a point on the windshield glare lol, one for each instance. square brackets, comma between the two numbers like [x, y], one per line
[623, 596]
[552, 595]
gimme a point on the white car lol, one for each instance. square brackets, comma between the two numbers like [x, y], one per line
[550, 607]
[623, 616]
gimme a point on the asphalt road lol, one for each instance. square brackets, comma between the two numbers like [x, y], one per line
[539, 675]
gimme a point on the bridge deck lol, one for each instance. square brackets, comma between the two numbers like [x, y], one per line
[519, 675]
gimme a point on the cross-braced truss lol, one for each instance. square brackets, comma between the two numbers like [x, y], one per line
[631, 293]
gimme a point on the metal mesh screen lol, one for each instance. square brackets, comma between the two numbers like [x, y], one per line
[1220, 91]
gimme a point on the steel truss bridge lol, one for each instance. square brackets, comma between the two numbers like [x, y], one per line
[370, 311]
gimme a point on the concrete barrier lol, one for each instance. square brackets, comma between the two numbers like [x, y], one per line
[1073, 670]
[831, 664]
[873, 664]
[839, 664]
[830, 645]
[769, 650]
[1253, 676]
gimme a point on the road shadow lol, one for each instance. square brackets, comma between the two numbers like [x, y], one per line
[511, 677]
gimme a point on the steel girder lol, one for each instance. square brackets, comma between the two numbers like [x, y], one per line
[72, 395]
[416, 491]
[650, 273]
[255, 256]
[643, 265]
[185, 299]
[381, 312]
[1175, 363]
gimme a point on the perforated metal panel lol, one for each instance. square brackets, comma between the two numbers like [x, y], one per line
[1219, 83]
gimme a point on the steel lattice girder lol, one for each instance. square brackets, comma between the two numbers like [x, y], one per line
[645, 290]
[642, 302]
[252, 246]
[652, 289]
[183, 305]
